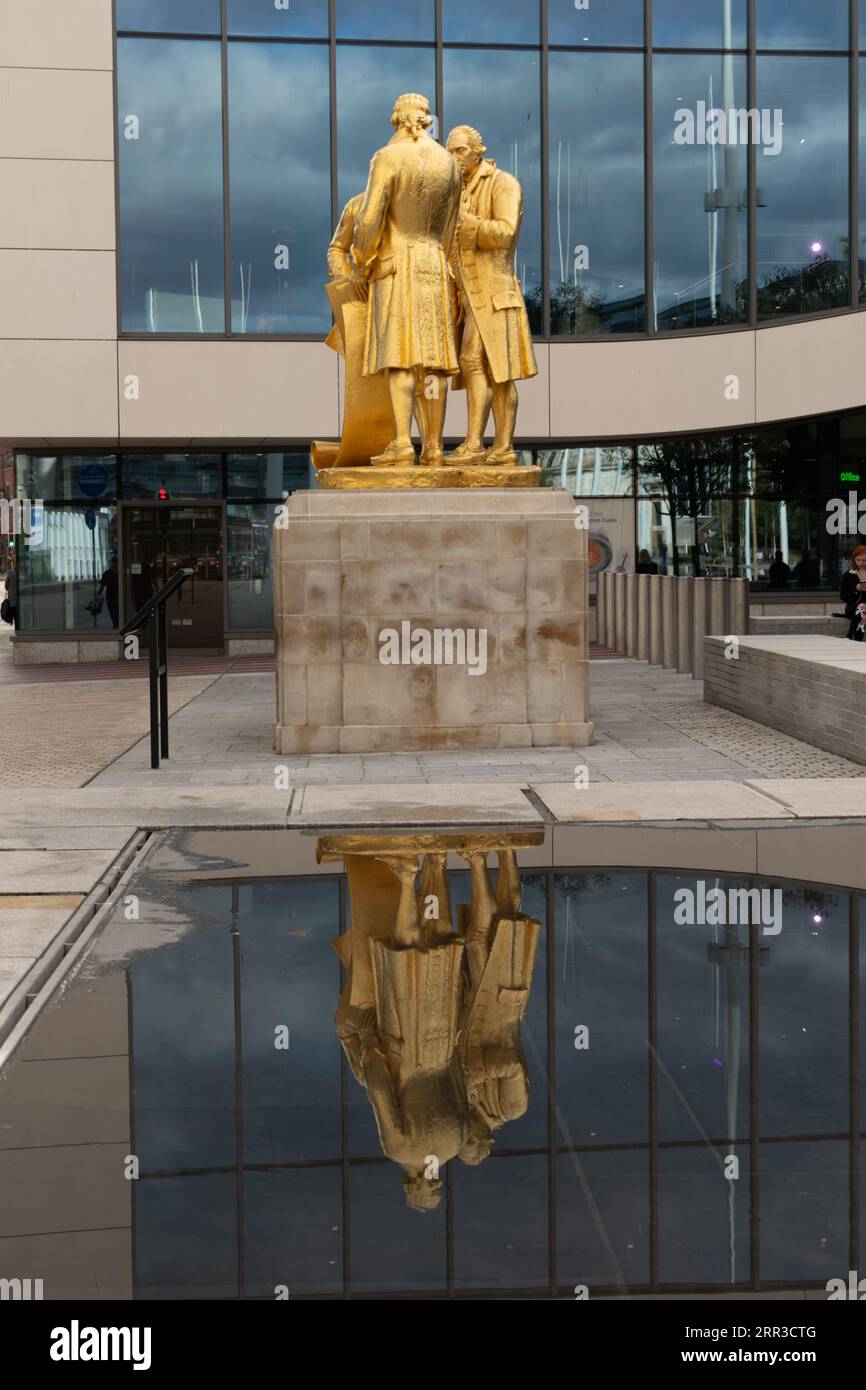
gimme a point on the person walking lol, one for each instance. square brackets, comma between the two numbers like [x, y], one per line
[9, 606]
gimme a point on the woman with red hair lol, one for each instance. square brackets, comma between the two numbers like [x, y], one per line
[853, 594]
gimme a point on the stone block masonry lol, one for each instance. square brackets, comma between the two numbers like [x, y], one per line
[811, 687]
[411, 620]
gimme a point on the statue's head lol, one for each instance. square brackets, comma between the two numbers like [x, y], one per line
[422, 1194]
[477, 1144]
[467, 147]
[412, 112]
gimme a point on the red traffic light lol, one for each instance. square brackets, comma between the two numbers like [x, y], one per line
[162, 494]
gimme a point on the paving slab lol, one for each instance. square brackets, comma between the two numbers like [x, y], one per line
[52, 871]
[69, 837]
[815, 797]
[443, 804]
[26, 931]
[660, 801]
[149, 809]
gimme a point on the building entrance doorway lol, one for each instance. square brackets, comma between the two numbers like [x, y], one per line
[157, 542]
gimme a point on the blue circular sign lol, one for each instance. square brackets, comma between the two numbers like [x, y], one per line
[93, 479]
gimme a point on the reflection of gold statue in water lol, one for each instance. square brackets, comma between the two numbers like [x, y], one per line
[430, 1019]
[496, 346]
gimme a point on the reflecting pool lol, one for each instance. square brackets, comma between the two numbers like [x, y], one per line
[442, 1065]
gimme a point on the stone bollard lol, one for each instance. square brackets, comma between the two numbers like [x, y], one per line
[642, 603]
[685, 606]
[739, 619]
[719, 622]
[600, 607]
[610, 615]
[630, 615]
[699, 626]
[619, 606]
[655, 619]
[669, 623]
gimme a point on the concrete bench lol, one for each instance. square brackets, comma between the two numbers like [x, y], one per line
[811, 687]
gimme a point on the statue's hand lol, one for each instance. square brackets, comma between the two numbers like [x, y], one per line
[467, 228]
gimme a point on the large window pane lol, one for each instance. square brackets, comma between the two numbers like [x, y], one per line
[703, 1218]
[280, 186]
[291, 1096]
[603, 1218]
[802, 23]
[369, 80]
[794, 531]
[701, 192]
[186, 1241]
[602, 472]
[490, 1253]
[803, 204]
[387, 1254]
[804, 1212]
[508, 21]
[61, 573]
[170, 16]
[292, 1231]
[69, 478]
[184, 1041]
[190, 476]
[804, 1059]
[617, 23]
[498, 92]
[171, 186]
[700, 24]
[382, 19]
[701, 964]
[307, 19]
[266, 475]
[251, 591]
[601, 1009]
[596, 181]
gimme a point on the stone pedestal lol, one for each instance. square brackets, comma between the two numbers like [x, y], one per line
[412, 620]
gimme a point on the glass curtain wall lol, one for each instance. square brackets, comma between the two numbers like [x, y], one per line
[69, 569]
[645, 158]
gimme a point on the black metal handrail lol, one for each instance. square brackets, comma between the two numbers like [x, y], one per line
[152, 616]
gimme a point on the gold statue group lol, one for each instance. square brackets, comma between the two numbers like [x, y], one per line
[429, 1017]
[423, 289]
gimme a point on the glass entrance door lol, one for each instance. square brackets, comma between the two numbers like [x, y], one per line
[160, 540]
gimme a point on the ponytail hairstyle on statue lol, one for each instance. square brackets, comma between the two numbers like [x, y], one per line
[412, 112]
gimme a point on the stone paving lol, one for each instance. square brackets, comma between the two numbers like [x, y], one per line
[223, 738]
[63, 735]
[754, 746]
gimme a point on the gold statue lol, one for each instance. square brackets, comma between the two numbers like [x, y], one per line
[429, 1019]
[496, 343]
[400, 248]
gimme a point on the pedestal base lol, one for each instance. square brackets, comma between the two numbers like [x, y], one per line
[378, 479]
[443, 619]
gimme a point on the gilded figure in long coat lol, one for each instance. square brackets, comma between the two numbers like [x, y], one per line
[496, 342]
[400, 247]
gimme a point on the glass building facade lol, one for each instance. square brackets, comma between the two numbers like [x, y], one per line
[685, 167]
[719, 505]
